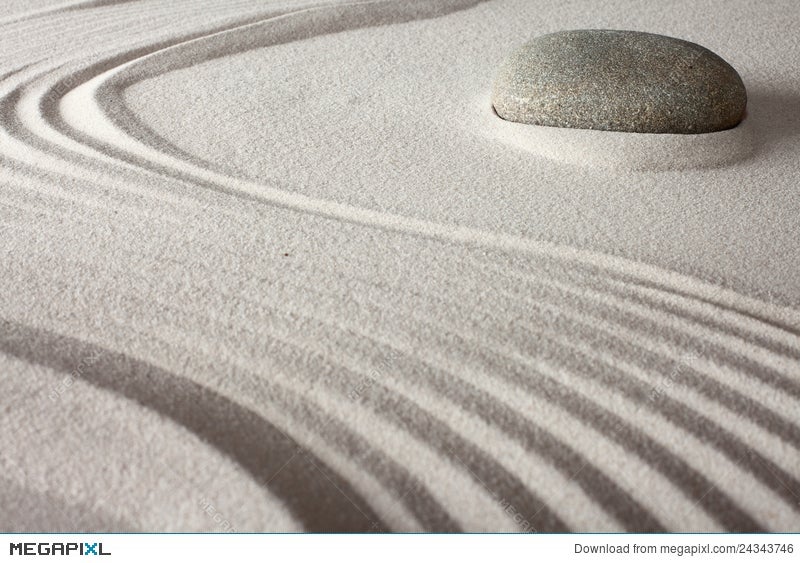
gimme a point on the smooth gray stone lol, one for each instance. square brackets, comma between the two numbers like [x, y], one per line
[619, 81]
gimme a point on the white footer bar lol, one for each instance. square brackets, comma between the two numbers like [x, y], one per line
[404, 548]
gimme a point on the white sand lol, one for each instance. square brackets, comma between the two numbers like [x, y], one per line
[277, 266]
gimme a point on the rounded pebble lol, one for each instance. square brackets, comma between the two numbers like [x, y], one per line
[619, 81]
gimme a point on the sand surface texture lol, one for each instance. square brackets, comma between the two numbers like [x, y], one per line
[278, 266]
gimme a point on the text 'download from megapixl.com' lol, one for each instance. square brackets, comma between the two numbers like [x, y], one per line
[684, 550]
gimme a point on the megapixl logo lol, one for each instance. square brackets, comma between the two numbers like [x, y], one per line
[83, 548]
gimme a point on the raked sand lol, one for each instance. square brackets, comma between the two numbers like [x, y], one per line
[275, 266]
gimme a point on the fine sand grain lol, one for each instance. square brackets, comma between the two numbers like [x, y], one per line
[275, 266]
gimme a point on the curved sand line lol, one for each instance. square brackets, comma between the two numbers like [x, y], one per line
[448, 329]
[50, 100]
[210, 416]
